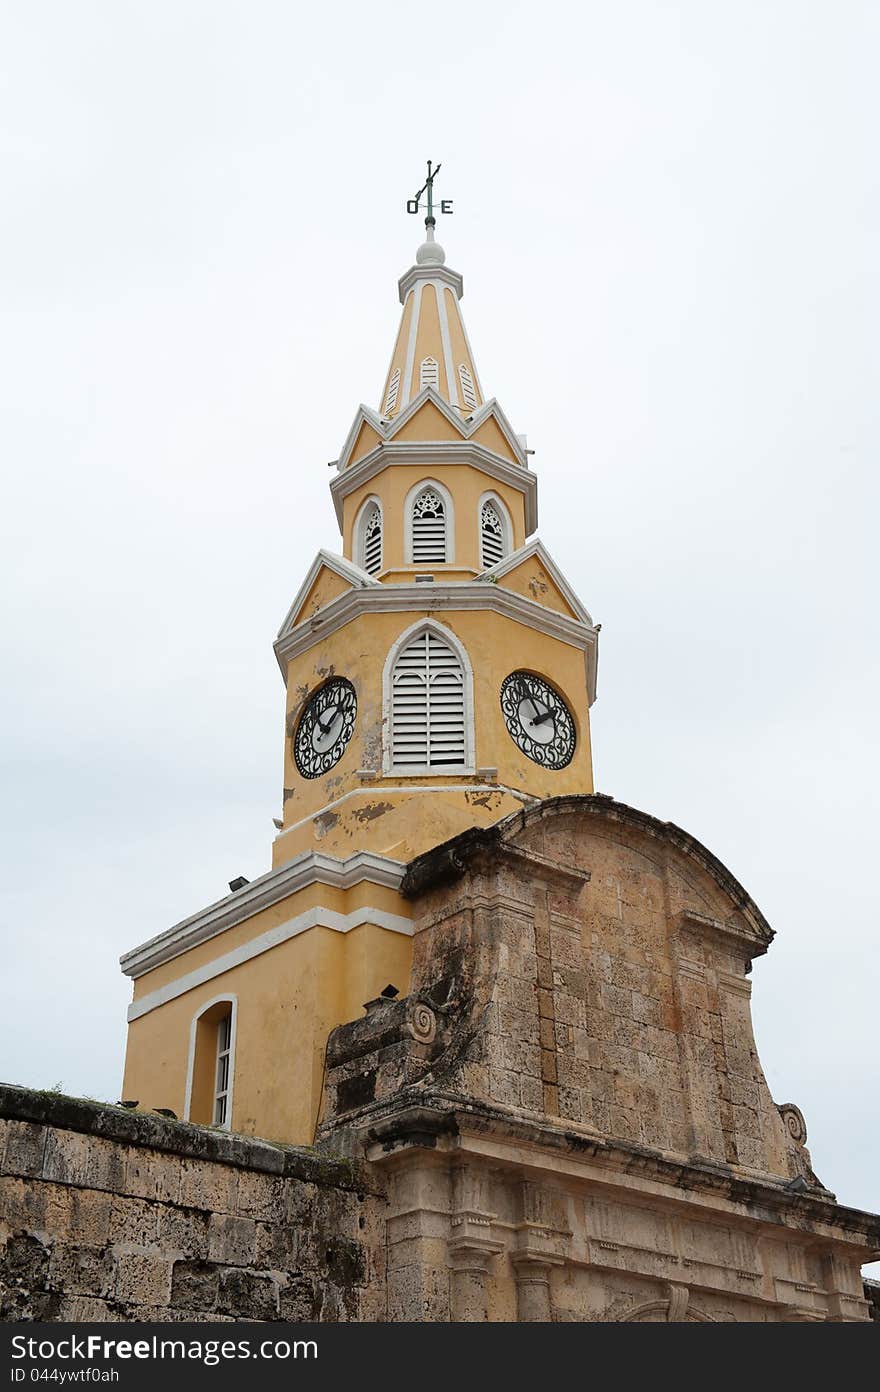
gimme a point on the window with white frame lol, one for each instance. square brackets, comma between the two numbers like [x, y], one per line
[492, 534]
[222, 1076]
[428, 528]
[370, 540]
[391, 394]
[428, 716]
[429, 373]
[468, 392]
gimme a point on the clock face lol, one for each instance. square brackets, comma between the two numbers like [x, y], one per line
[325, 727]
[538, 719]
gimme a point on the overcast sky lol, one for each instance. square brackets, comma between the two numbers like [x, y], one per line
[667, 220]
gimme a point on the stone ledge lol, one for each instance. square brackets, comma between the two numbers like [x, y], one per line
[183, 1138]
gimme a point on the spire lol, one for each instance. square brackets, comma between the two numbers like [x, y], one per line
[432, 348]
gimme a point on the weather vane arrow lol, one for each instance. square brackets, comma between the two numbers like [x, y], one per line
[413, 205]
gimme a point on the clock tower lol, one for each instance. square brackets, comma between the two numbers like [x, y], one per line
[439, 672]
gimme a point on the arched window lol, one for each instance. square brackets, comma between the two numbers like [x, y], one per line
[210, 1072]
[429, 373]
[428, 691]
[468, 393]
[369, 538]
[428, 528]
[493, 533]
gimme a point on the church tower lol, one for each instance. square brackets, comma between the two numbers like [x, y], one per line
[439, 674]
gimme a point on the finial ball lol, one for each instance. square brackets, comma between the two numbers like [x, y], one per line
[430, 254]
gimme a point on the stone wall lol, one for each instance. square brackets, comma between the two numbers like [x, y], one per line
[569, 1108]
[111, 1215]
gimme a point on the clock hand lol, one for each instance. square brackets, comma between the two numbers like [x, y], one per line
[333, 714]
[539, 719]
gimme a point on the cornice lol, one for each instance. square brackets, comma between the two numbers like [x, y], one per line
[431, 1120]
[311, 867]
[459, 596]
[441, 274]
[429, 453]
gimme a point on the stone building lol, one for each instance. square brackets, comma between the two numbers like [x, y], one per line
[551, 1106]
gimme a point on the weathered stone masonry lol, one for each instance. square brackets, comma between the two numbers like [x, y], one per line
[111, 1215]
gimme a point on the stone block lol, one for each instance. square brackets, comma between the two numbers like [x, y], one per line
[142, 1278]
[208, 1186]
[82, 1270]
[25, 1143]
[299, 1302]
[182, 1231]
[194, 1285]
[259, 1196]
[247, 1295]
[66, 1157]
[504, 1086]
[134, 1222]
[531, 1093]
[231, 1241]
[151, 1175]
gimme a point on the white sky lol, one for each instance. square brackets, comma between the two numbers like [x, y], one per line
[667, 220]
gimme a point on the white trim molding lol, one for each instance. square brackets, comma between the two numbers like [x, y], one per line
[464, 425]
[538, 550]
[281, 933]
[345, 569]
[429, 455]
[440, 275]
[308, 868]
[458, 595]
[446, 636]
[232, 999]
[429, 485]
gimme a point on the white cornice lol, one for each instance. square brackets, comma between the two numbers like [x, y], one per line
[437, 598]
[442, 275]
[311, 918]
[346, 570]
[465, 425]
[537, 549]
[427, 453]
[311, 867]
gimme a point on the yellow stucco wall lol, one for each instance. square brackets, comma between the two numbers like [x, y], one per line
[288, 1001]
[465, 482]
[496, 645]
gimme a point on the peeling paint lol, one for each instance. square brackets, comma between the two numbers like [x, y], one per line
[491, 800]
[324, 822]
[371, 810]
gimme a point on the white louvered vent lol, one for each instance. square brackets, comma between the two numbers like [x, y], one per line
[427, 706]
[391, 395]
[428, 528]
[491, 535]
[429, 374]
[371, 545]
[469, 395]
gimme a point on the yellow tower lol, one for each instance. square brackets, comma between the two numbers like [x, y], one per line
[439, 675]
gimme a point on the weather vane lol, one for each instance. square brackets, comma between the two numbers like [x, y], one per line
[413, 205]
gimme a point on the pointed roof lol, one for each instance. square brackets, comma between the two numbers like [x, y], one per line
[432, 347]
